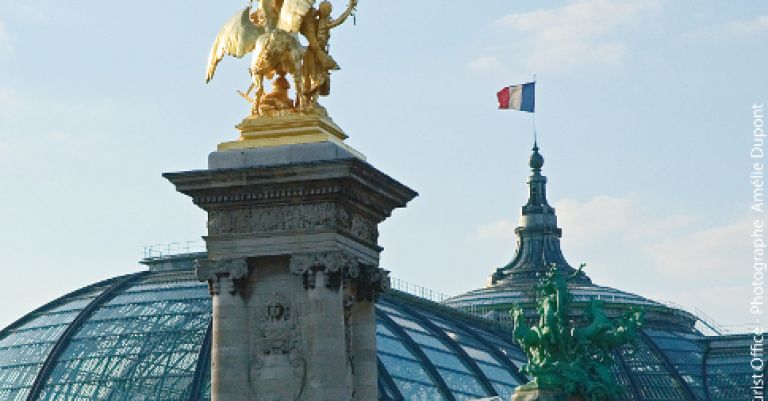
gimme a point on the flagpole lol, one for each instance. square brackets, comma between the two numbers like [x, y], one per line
[535, 134]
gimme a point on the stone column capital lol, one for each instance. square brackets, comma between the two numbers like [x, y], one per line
[340, 268]
[221, 274]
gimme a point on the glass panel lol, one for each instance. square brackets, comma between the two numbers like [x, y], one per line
[505, 391]
[388, 308]
[620, 375]
[413, 391]
[445, 360]
[53, 319]
[405, 369]
[141, 345]
[501, 379]
[453, 366]
[427, 340]
[24, 349]
[497, 373]
[460, 382]
[654, 380]
[392, 346]
[479, 355]
[382, 329]
[206, 393]
[505, 346]
[686, 353]
[729, 375]
[407, 323]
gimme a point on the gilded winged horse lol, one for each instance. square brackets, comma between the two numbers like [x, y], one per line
[271, 33]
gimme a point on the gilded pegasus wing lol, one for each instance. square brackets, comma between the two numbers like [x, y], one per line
[292, 13]
[236, 38]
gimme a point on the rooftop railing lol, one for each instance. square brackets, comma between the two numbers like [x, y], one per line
[417, 290]
[159, 251]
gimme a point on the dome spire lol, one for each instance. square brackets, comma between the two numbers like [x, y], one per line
[537, 183]
[538, 236]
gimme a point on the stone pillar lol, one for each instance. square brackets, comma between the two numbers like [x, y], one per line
[230, 316]
[363, 327]
[293, 269]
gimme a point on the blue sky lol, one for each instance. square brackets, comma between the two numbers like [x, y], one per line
[644, 116]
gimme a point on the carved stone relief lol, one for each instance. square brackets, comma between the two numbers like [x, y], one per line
[222, 274]
[277, 350]
[340, 268]
[292, 218]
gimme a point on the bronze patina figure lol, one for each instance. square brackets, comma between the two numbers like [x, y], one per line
[569, 356]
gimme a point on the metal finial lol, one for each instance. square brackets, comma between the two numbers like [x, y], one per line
[537, 160]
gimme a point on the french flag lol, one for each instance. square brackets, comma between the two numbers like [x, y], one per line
[518, 97]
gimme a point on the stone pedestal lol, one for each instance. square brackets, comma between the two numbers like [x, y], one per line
[536, 392]
[293, 269]
[539, 394]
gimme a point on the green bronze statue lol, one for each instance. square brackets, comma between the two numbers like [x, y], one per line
[569, 356]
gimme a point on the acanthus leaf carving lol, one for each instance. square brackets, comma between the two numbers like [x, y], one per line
[222, 274]
[371, 282]
[340, 268]
[333, 265]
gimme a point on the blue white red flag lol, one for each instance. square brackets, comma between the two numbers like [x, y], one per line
[518, 97]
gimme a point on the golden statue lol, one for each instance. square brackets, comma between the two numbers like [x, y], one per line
[272, 34]
[318, 64]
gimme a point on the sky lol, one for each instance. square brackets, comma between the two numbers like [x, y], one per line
[644, 115]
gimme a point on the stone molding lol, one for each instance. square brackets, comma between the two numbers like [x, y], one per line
[340, 269]
[287, 218]
[351, 181]
[222, 274]
[269, 194]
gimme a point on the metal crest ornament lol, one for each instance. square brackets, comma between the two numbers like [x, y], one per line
[271, 33]
[572, 357]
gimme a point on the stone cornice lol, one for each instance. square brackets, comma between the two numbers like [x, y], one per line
[349, 179]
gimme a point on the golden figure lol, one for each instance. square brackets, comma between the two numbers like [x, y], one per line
[318, 64]
[271, 33]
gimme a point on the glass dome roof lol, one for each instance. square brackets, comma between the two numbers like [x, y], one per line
[146, 337]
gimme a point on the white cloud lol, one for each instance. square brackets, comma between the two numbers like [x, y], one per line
[737, 28]
[485, 64]
[725, 306]
[602, 215]
[714, 252]
[6, 41]
[502, 229]
[9, 102]
[611, 216]
[578, 34]
[749, 27]
[677, 246]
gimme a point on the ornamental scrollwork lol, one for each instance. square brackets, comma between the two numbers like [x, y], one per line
[340, 268]
[222, 275]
